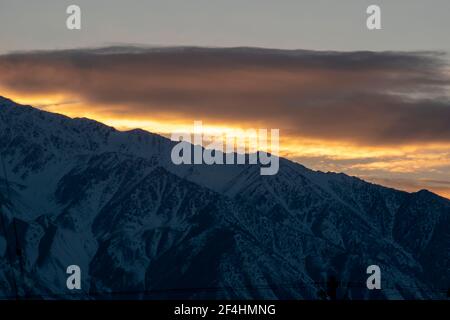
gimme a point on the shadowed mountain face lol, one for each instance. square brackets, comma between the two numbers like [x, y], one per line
[76, 192]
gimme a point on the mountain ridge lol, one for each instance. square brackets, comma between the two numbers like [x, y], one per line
[145, 132]
[138, 226]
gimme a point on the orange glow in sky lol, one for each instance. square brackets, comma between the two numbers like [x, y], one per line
[408, 167]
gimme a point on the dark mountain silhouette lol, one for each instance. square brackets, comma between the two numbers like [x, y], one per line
[74, 191]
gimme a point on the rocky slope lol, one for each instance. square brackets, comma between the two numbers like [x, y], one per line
[74, 191]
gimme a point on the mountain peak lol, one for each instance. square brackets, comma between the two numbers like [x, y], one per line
[4, 99]
[427, 194]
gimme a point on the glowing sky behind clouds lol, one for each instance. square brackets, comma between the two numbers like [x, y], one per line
[382, 116]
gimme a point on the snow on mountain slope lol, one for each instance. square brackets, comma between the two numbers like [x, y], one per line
[75, 191]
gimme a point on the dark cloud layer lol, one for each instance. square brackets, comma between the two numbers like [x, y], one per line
[364, 97]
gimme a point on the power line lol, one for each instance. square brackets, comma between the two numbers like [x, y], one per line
[317, 284]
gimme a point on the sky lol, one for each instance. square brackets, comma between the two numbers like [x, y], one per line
[283, 24]
[375, 104]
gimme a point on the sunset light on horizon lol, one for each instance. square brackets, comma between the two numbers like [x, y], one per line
[408, 167]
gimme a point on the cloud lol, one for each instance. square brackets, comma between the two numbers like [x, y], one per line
[369, 98]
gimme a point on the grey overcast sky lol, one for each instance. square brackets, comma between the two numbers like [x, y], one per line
[287, 24]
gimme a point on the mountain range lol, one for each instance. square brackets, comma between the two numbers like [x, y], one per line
[78, 192]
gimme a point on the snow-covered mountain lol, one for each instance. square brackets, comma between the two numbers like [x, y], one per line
[77, 192]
